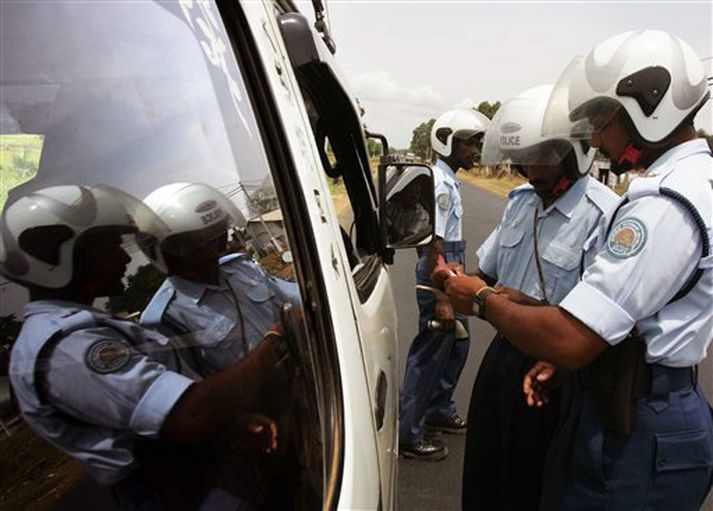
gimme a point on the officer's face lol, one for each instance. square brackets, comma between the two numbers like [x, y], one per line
[610, 137]
[544, 177]
[465, 152]
[100, 263]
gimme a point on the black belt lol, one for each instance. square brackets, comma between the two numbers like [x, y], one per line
[656, 379]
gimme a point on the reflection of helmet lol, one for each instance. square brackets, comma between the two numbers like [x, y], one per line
[515, 134]
[461, 124]
[40, 230]
[190, 208]
[654, 76]
[405, 178]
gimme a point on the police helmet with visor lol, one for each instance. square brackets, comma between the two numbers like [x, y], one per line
[188, 209]
[459, 124]
[652, 77]
[40, 230]
[516, 136]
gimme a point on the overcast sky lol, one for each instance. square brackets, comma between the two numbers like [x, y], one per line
[408, 61]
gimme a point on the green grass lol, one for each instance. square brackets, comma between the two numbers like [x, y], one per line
[19, 159]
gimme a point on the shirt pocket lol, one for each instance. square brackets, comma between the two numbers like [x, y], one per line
[255, 286]
[561, 268]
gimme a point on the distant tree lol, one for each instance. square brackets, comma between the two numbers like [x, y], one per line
[421, 140]
[709, 138]
[488, 109]
[373, 147]
[140, 289]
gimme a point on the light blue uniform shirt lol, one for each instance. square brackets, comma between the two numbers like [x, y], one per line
[107, 383]
[206, 319]
[449, 205]
[564, 232]
[652, 249]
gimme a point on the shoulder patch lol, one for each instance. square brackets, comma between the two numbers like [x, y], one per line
[444, 201]
[107, 356]
[627, 238]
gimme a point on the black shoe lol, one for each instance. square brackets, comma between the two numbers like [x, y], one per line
[424, 450]
[453, 424]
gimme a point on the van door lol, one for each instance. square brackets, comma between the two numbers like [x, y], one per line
[339, 136]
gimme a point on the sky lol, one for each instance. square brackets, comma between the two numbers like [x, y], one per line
[408, 61]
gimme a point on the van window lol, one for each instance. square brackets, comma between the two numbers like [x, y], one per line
[137, 96]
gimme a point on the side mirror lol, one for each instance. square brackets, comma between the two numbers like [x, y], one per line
[406, 205]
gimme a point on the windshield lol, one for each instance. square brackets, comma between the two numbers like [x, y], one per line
[101, 101]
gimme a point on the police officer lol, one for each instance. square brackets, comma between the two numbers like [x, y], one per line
[435, 359]
[537, 250]
[217, 308]
[637, 431]
[105, 391]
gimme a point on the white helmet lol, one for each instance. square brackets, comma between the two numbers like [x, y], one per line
[40, 230]
[462, 124]
[189, 207]
[515, 135]
[654, 76]
[397, 182]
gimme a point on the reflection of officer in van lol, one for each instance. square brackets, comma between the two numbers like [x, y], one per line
[435, 359]
[637, 432]
[537, 249]
[107, 392]
[221, 306]
[407, 219]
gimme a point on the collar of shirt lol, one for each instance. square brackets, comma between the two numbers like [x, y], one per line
[49, 306]
[448, 170]
[195, 290]
[566, 203]
[662, 163]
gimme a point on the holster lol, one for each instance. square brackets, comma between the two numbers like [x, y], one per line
[618, 378]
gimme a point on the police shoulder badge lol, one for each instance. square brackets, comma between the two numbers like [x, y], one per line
[627, 238]
[444, 201]
[107, 356]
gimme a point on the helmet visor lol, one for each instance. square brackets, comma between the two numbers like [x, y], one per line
[570, 113]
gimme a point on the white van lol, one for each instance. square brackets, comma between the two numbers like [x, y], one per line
[243, 96]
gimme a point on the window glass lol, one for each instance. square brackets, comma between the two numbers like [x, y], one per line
[128, 124]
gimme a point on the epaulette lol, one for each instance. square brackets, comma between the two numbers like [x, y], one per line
[525, 187]
[601, 197]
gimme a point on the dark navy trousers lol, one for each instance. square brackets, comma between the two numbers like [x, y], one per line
[507, 440]
[435, 360]
[665, 463]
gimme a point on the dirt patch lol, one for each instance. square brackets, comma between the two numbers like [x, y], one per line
[497, 185]
[33, 473]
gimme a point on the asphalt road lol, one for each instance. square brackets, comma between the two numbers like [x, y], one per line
[437, 486]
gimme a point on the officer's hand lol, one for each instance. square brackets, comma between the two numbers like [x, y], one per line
[460, 289]
[538, 383]
[441, 273]
[262, 432]
[445, 314]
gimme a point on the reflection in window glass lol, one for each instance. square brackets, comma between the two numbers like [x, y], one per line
[134, 181]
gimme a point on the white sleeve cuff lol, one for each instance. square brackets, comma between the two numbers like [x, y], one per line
[157, 402]
[487, 264]
[598, 312]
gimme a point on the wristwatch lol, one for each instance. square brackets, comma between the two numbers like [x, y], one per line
[479, 299]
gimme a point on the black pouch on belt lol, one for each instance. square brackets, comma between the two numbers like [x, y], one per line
[617, 378]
